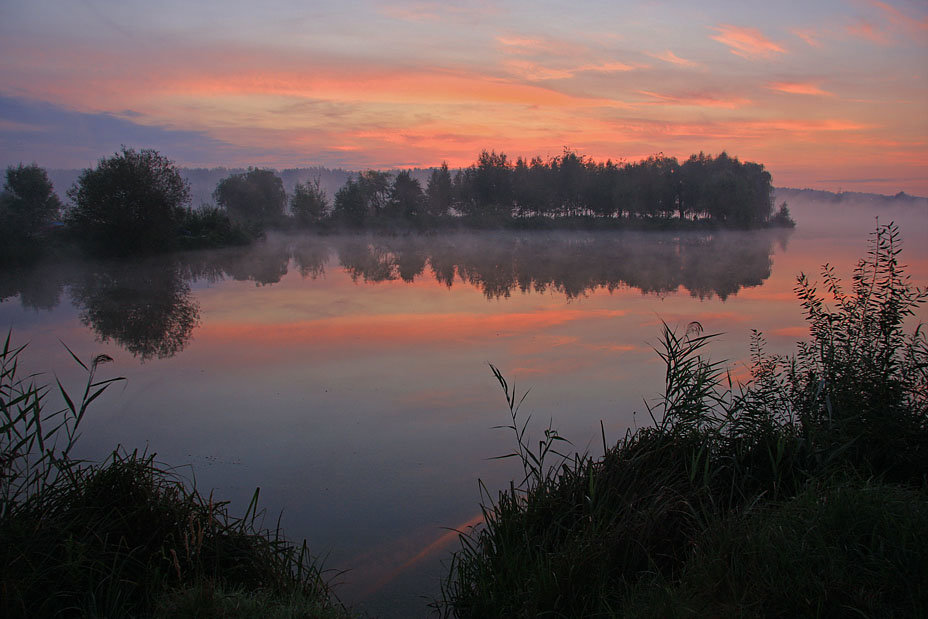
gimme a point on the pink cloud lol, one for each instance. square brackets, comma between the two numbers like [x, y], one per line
[809, 36]
[696, 100]
[799, 88]
[523, 46]
[669, 56]
[865, 30]
[746, 42]
[915, 26]
[436, 11]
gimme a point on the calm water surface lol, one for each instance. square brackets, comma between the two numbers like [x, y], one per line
[348, 377]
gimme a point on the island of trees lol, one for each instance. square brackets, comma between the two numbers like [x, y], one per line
[138, 201]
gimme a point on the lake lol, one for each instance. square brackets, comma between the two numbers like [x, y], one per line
[348, 376]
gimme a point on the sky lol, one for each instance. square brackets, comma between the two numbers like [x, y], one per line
[830, 94]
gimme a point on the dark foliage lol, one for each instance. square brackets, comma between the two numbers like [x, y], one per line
[309, 204]
[740, 500]
[122, 537]
[131, 203]
[255, 198]
[208, 227]
[570, 190]
[28, 210]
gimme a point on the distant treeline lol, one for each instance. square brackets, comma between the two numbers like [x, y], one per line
[568, 189]
[139, 202]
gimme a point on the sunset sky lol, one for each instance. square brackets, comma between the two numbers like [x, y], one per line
[830, 94]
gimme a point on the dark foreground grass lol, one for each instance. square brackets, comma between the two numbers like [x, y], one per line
[800, 493]
[840, 548]
[127, 537]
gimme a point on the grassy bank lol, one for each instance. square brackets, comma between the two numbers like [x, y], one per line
[799, 493]
[126, 537]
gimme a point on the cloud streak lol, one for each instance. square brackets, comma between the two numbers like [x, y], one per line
[747, 43]
[799, 88]
[669, 56]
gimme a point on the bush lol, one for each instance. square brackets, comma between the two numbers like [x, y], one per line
[130, 203]
[208, 227]
[28, 207]
[126, 537]
[841, 548]
[255, 198]
[623, 534]
[309, 204]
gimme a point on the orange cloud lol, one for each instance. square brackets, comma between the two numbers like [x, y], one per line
[865, 30]
[915, 26]
[392, 87]
[669, 56]
[746, 42]
[799, 88]
[809, 36]
[536, 72]
[696, 100]
[521, 45]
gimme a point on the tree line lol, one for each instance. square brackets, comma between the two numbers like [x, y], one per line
[138, 202]
[720, 190]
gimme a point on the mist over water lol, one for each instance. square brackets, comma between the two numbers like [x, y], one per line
[347, 376]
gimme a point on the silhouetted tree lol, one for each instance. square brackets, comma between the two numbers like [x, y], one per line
[439, 192]
[29, 200]
[492, 182]
[570, 171]
[255, 197]
[375, 186]
[308, 203]
[28, 204]
[406, 197]
[130, 203]
[350, 204]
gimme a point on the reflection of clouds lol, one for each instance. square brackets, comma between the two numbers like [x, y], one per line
[552, 367]
[437, 399]
[414, 328]
[375, 569]
[797, 332]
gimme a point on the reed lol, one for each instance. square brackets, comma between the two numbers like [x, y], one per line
[725, 473]
[127, 536]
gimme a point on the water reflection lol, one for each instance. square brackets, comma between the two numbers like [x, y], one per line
[148, 308]
[718, 264]
[145, 308]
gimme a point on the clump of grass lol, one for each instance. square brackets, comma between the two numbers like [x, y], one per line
[127, 537]
[590, 537]
[840, 548]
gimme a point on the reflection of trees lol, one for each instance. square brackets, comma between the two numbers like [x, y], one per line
[263, 263]
[148, 308]
[145, 308]
[498, 263]
[39, 286]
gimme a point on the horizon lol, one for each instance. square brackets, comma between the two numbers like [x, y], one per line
[280, 171]
[827, 96]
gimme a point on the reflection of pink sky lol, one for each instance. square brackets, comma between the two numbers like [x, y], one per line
[375, 569]
[403, 329]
